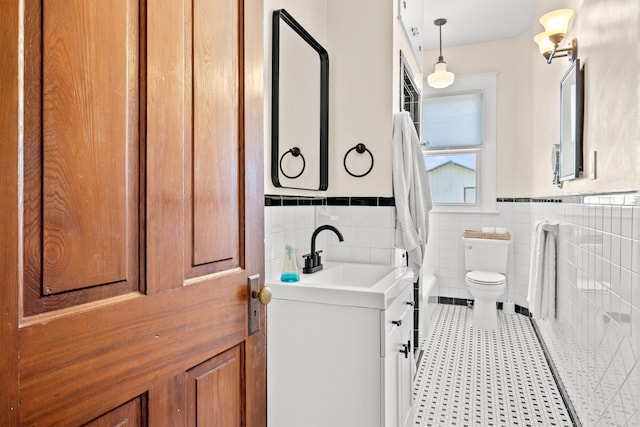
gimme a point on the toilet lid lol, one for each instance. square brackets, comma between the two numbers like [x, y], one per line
[485, 277]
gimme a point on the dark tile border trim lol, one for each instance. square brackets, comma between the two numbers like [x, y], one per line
[574, 198]
[556, 376]
[469, 302]
[531, 200]
[276, 200]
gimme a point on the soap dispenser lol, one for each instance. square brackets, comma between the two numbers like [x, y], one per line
[289, 265]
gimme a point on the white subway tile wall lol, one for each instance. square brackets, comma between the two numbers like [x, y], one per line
[368, 233]
[594, 341]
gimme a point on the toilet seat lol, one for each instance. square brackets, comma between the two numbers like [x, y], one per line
[485, 278]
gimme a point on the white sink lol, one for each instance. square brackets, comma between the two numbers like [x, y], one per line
[358, 275]
[352, 284]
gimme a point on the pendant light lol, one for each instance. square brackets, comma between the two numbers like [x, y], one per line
[440, 78]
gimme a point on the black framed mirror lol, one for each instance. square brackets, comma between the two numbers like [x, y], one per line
[571, 122]
[299, 107]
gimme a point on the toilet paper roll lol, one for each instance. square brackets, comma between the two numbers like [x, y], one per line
[501, 230]
[488, 229]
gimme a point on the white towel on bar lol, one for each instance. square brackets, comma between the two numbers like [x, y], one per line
[542, 273]
[411, 191]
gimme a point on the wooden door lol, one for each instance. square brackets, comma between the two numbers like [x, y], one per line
[131, 212]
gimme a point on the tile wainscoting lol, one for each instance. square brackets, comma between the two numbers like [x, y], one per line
[366, 223]
[595, 339]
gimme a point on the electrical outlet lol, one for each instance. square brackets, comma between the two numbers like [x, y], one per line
[592, 164]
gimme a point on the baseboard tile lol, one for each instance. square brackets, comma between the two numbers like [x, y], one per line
[469, 302]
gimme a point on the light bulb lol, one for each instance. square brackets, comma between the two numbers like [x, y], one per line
[556, 24]
[544, 44]
[441, 78]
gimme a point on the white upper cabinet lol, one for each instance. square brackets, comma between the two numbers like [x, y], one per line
[411, 16]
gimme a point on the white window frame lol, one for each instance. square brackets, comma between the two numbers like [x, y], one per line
[486, 158]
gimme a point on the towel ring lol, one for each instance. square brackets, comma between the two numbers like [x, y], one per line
[295, 152]
[360, 148]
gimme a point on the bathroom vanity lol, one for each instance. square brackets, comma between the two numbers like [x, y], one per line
[339, 348]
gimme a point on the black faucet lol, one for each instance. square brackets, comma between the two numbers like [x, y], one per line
[312, 261]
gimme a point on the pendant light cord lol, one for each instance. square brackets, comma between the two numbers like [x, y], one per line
[440, 22]
[440, 58]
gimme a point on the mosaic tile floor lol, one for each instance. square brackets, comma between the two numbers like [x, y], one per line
[473, 377]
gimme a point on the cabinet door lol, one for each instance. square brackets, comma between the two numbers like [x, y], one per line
[399, 365]
[406, 367]
[392, 376]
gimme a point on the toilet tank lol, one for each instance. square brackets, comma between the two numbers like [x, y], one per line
[486, 254]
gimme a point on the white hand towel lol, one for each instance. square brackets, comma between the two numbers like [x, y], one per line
[411, 191]
[542, 274]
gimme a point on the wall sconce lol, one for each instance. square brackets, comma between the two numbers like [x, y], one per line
[441, 78]
[555, 25]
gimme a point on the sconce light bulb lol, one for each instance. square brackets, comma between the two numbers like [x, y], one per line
[545, 45]
[556, 24]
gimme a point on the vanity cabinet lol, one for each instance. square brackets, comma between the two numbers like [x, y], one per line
[398, 361]
[340, 364]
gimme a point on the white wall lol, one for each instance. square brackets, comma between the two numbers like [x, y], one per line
[361, 76]
[528, 98]
[312, 15]
[513, 144]
[364, 39]
[608, 34]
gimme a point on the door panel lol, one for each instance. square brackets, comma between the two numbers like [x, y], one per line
[89, 139]
[132, 216]
[165, 115]
[128, 415]
[208, 407]
[118, 349]
[81, 152]
[216, 209]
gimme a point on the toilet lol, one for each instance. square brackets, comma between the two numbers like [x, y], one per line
[485, 261]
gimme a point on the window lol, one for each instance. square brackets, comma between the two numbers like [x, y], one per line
[458, 134]
[409, 94]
